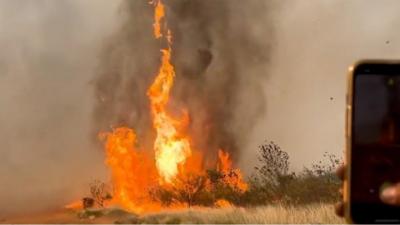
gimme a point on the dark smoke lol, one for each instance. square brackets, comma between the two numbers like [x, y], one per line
[221, 49]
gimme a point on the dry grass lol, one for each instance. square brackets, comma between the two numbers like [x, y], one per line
[316, 213]
[310, 214]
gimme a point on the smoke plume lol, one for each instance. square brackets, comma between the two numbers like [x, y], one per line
[220, 51]
[48, 54]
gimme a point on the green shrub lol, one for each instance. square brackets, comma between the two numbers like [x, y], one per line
[273, 183]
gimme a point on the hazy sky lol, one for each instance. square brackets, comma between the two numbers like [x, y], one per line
[316, 41]
[48, 56]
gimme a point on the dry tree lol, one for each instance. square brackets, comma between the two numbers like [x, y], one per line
[100, 192]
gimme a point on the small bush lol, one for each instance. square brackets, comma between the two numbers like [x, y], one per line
[273, 183]
[204, 190]
[189, 190]
[100, 192]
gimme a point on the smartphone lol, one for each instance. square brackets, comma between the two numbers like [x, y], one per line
[373, 140]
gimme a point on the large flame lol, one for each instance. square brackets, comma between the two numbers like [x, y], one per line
[133, 171]
[232, 177]
[171, 148]
[136, 171]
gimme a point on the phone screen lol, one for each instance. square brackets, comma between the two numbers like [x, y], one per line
[375, 154]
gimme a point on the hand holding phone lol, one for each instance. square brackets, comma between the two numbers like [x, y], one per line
[373, 143]
[390, 195]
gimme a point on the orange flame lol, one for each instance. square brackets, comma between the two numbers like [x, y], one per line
[159, 13]
[171, 148]
[222, 203]
[76, 205]
[133, 171]
[231, 177]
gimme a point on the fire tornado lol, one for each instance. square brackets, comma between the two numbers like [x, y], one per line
[135, 171]
[171, 147]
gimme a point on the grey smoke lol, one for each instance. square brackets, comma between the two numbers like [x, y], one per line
[220, 50]
[48, 55]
